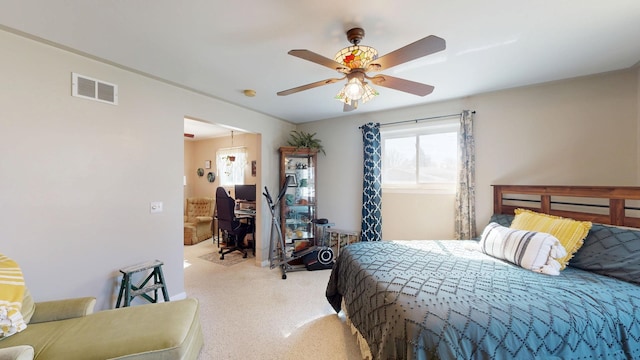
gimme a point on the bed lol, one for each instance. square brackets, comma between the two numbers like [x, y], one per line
[444, 299]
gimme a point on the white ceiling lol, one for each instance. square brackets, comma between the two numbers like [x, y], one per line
[221, 48]
[203, 130]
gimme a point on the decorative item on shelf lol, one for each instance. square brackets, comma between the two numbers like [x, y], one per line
[301, 196]
[294, 180]
[254, 167]
[302, 173]
[289, 198]
[211, 176]
[299, 245]
[301, 139]
[200, 171]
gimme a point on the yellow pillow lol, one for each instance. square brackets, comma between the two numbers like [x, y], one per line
[571, 233]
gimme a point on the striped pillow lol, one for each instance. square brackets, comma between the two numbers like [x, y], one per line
[571, 233]
[535, 251]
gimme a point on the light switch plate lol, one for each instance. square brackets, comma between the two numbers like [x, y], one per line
[156, 207]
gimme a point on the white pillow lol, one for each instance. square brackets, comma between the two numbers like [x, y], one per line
[531, 250]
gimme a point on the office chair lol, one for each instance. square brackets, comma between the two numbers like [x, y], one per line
[227, 222]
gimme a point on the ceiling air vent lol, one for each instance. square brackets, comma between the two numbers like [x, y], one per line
[88, 88]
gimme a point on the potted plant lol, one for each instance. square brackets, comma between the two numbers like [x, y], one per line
[301, 139]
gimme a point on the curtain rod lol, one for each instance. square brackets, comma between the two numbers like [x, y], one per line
[421, 119]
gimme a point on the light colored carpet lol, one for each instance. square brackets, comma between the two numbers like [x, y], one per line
[249, 312]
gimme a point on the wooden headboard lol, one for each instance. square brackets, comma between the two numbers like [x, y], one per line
[615, 205]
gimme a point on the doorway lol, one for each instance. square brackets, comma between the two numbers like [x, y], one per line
[202, 141]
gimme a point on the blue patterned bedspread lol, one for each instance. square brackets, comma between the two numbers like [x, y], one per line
[437, 299]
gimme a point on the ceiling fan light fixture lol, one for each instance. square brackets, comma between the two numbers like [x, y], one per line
[367, 94]
[340, 96]
[354, 89]
[356, 57]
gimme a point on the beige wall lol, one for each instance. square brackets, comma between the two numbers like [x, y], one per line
[77, 176]
[580, 131]
[403, 216]
[206, 150]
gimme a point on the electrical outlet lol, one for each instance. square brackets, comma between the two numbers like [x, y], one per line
[156, 207]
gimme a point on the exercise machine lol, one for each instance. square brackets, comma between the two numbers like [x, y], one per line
[318, 256]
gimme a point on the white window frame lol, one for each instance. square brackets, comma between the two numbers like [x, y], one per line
[231, 172]
[417, 129]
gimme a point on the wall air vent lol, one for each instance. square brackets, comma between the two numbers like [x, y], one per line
[88, 88]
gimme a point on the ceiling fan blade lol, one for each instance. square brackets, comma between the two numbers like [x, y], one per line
[309, 86]
[408, 86]
[189, 135]
[319, 59]
[427, 46]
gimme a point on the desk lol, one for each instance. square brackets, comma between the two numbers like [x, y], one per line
[250, 217]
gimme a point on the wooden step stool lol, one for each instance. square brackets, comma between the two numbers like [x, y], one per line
[128, 291]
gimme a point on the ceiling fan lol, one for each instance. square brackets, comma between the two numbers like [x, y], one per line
[357, 60]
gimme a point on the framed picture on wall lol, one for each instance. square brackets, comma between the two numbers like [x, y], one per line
[207, 164]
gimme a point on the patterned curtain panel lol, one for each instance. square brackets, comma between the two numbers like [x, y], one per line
[372, 185]
[465, 217]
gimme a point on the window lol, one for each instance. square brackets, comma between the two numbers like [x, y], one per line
[420, 156]
[230, 163]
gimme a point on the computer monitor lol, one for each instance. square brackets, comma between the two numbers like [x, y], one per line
[245, 192]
